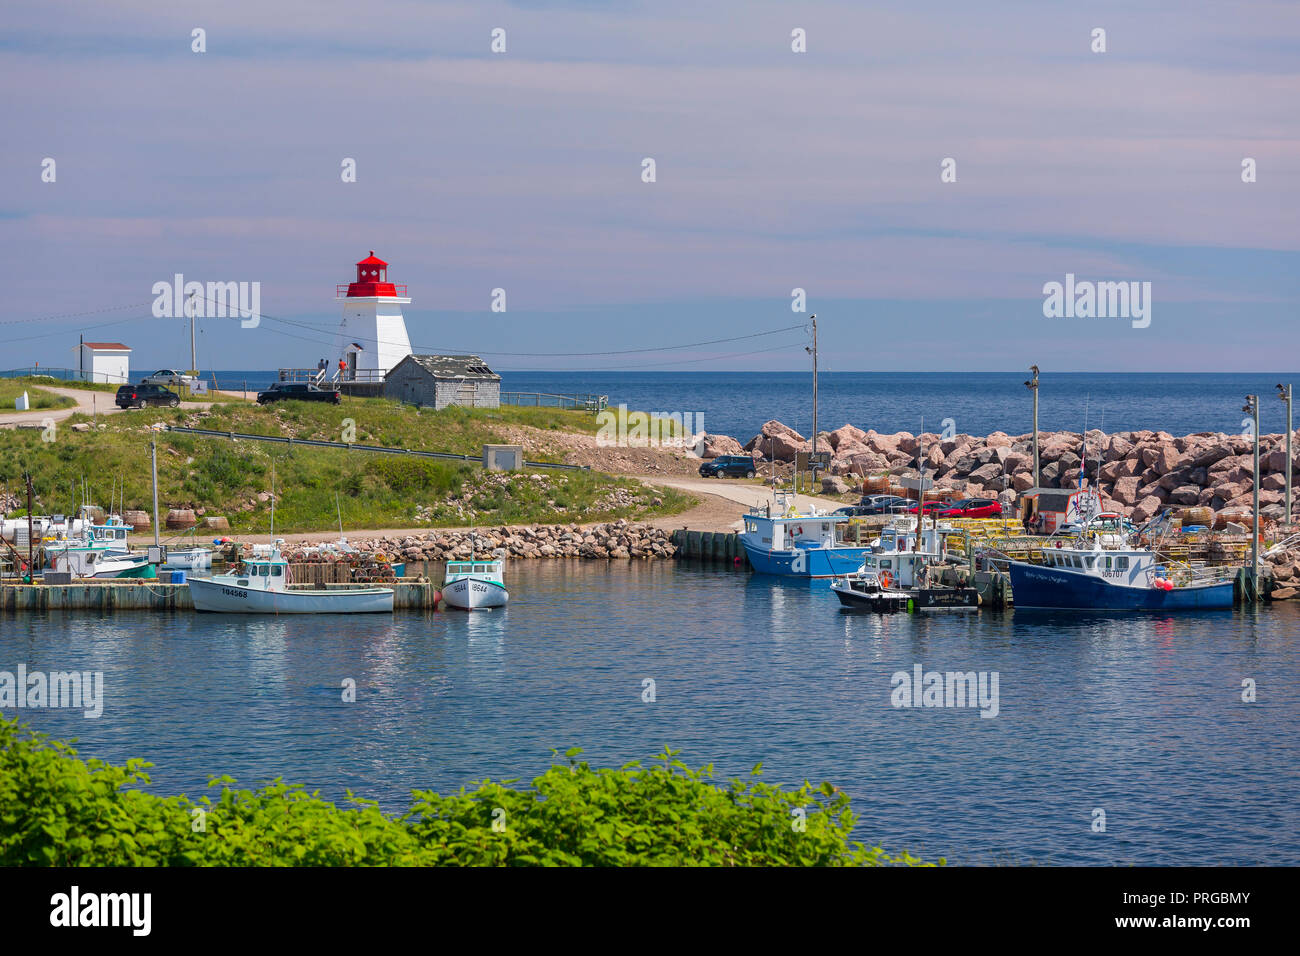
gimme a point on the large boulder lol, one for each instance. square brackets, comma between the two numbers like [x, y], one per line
[715, 445]
[1125, 490]
[846, 433]
[1146, 509]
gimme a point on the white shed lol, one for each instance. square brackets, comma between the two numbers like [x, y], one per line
[106, 362]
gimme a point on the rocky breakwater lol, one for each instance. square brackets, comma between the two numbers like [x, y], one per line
[616, 539]
[1138, 472]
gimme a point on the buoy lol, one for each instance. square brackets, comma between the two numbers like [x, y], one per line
[885, 579]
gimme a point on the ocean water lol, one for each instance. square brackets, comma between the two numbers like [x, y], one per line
[737, 403]
[1139, 716]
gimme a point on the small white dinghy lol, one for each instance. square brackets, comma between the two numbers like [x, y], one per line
[264, 588]
[470, 585]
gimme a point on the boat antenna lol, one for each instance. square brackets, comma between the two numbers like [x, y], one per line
[272, 502]
[339, 509]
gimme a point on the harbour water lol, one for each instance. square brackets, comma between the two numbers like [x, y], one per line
[1137, 716]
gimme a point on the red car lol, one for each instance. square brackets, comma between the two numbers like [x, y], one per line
[932, 507]
[973, 508]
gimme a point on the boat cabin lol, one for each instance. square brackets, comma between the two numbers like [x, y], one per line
[265, 574]
[481, 570]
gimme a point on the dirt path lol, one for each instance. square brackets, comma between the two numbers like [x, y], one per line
[89, 402]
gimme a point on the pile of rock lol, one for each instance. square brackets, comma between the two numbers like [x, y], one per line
[1286, 574]
[1140, 471]
[615, 539]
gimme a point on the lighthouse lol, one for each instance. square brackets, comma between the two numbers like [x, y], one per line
[372, 337]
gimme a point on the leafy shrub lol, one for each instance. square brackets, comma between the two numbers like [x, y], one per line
[57, 810]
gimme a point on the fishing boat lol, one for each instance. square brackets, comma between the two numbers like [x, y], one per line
[470, 585]
[782, 540]
[898, 573]
[262, 586]
[189, 559]
[1079, 575]
[89, 561]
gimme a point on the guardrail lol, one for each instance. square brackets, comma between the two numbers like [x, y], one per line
[379, 449]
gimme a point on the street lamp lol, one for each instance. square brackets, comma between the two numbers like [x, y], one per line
[1252, 408]
[1284, 393]
[1032, 385]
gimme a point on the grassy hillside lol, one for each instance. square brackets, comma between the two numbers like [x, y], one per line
[224, 477]
[12, 388]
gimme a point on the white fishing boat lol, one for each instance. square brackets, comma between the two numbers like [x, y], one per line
[470, 585]
[262, 586]
[189, 559]
[900, 572]
[96, 562]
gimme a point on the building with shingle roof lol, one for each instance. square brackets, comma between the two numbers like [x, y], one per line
[436, 381]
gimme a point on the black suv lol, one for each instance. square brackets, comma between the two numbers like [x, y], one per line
[731, 466]
[138, 396]
[302, 393]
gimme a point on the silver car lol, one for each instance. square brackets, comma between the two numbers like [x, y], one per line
[168, 376]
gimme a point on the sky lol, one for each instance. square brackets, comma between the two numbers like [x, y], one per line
[775, 170]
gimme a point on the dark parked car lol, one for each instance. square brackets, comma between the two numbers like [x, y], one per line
[932, 507]
[302, 393]
[731, 466]
[852, 511]
[138, 396]
[884, 505]
[974, 508]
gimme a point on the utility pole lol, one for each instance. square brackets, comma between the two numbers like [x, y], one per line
[194, 360]
[1252, 408]
[31, 575]
[1032, 385]
[813, 352]
[153, 459]
[1284, 392]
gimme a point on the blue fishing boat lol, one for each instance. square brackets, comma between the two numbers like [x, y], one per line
[779, 539]
[1075, 576]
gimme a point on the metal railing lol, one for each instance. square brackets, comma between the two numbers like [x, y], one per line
[341, 290]
[317, 443]
[64, 375]
[589, 402]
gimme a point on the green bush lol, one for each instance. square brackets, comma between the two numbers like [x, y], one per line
[57, 810]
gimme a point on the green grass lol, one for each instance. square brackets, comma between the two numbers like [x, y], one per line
[12, 388]
[60, 810]
[224, 477]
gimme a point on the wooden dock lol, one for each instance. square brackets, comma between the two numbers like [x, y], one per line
[409, 594]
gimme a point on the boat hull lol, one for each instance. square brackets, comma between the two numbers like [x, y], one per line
[1036, 586]
[911, 599]
[210, 595]
[470, 594]
[805, 562]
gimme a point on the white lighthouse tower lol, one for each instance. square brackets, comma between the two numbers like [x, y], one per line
[372, 337]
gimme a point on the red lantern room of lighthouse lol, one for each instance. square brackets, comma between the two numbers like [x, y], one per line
[372, 337]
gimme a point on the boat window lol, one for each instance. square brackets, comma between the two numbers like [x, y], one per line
[276, 570]
[886, 564]
[1091, 562]
[1122, 563]
[264, 571]
[1108, 562]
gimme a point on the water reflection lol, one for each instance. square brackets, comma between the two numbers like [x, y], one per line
[1142, 713]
